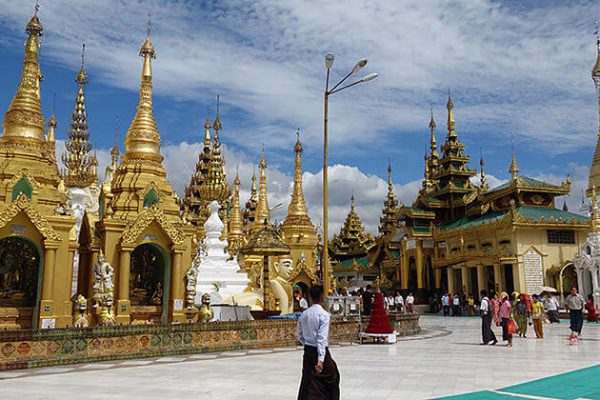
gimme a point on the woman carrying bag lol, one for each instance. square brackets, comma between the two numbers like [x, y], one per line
[508, 325]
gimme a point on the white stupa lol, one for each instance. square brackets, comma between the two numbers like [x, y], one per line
[214, 270]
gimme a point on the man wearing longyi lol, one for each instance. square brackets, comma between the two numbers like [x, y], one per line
[320, 376]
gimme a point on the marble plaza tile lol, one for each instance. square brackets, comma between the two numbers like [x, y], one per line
[433, 366]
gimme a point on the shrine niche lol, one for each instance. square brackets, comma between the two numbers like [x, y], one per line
[19, 272]
[147, 284]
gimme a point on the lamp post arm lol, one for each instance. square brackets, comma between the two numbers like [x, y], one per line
[340, 82]
[332, 91]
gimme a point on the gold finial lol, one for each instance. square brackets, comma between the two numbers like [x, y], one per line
[236, 181]
[596, 72]
[34, 26]
[514, 167]
[82, 77]
[24, 117]
[352, 202]
[595, 213]
[217, 126]
[142, 140]
[483, 181]
[147, 49]
[235, 233]
[298, 146]
[451, 123]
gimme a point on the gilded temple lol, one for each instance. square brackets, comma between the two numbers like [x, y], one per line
[462, 237]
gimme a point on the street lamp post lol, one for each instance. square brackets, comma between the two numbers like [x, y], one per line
[360, 64]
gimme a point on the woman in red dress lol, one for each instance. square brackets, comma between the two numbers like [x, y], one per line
[591, 316]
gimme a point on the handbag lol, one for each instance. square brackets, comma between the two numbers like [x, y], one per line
[510, 327]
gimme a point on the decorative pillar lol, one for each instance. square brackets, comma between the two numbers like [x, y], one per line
[93, 259]
[123, 303]
[48, 304]
[518, 282]
[404, 265]
[48, 279]
[595, 289]
[498, 278]
[450, 273]
[177, 288]
[579, 272]
[481, 280]
[437, 272]
[464, 279]
[419, 261]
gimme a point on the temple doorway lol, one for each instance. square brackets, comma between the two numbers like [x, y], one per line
[509, 282]
[148, 285]
[20, 264]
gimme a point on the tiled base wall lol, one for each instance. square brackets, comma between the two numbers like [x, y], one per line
[31, 349]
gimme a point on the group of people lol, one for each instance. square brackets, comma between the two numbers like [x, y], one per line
[515, 313]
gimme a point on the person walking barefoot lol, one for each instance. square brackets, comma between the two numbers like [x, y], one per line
[505, 316]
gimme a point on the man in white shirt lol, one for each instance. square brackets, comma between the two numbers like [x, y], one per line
[320, 376]
[552, 307]
[410, 301]
[446, 304]
[399, 302]
[486, 320]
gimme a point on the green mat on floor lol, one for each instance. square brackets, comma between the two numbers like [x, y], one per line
[583, 383]
[483, 395]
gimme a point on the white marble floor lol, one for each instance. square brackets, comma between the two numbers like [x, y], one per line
[447, 359]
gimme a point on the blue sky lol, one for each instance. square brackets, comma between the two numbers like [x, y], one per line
[512, 67]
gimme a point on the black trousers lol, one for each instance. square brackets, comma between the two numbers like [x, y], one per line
[576, 320]
[446, 310]
[553, 316]
[486, 329]
[314, 386]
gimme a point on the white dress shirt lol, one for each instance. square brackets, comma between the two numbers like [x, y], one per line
[485, 304]
[313, 329]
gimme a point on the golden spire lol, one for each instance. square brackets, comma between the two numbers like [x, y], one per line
[433, 142]
[484, 185]
[207, 141]
[236, 228]
[514, 167]
[450, 106]
[426, 175]
[80, 169]
[594, 176]
[390, 181]
[262, 209]
[143, 139]
[51, 137]
[297, 205]
[253, 187]
[114, 152]
[595, 214]
[24, 117]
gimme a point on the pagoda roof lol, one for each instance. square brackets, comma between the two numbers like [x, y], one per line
[524, 183]
[525, 214]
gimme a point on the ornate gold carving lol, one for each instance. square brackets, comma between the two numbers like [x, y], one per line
[134, 229]
[22, 203]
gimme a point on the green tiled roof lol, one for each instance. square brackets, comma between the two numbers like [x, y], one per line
[537, 213]
[363, 262]
[468, 222]
[529, 212]
[420, 228]
[527, 180]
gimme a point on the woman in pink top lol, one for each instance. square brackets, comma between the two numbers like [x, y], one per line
[505, 312]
